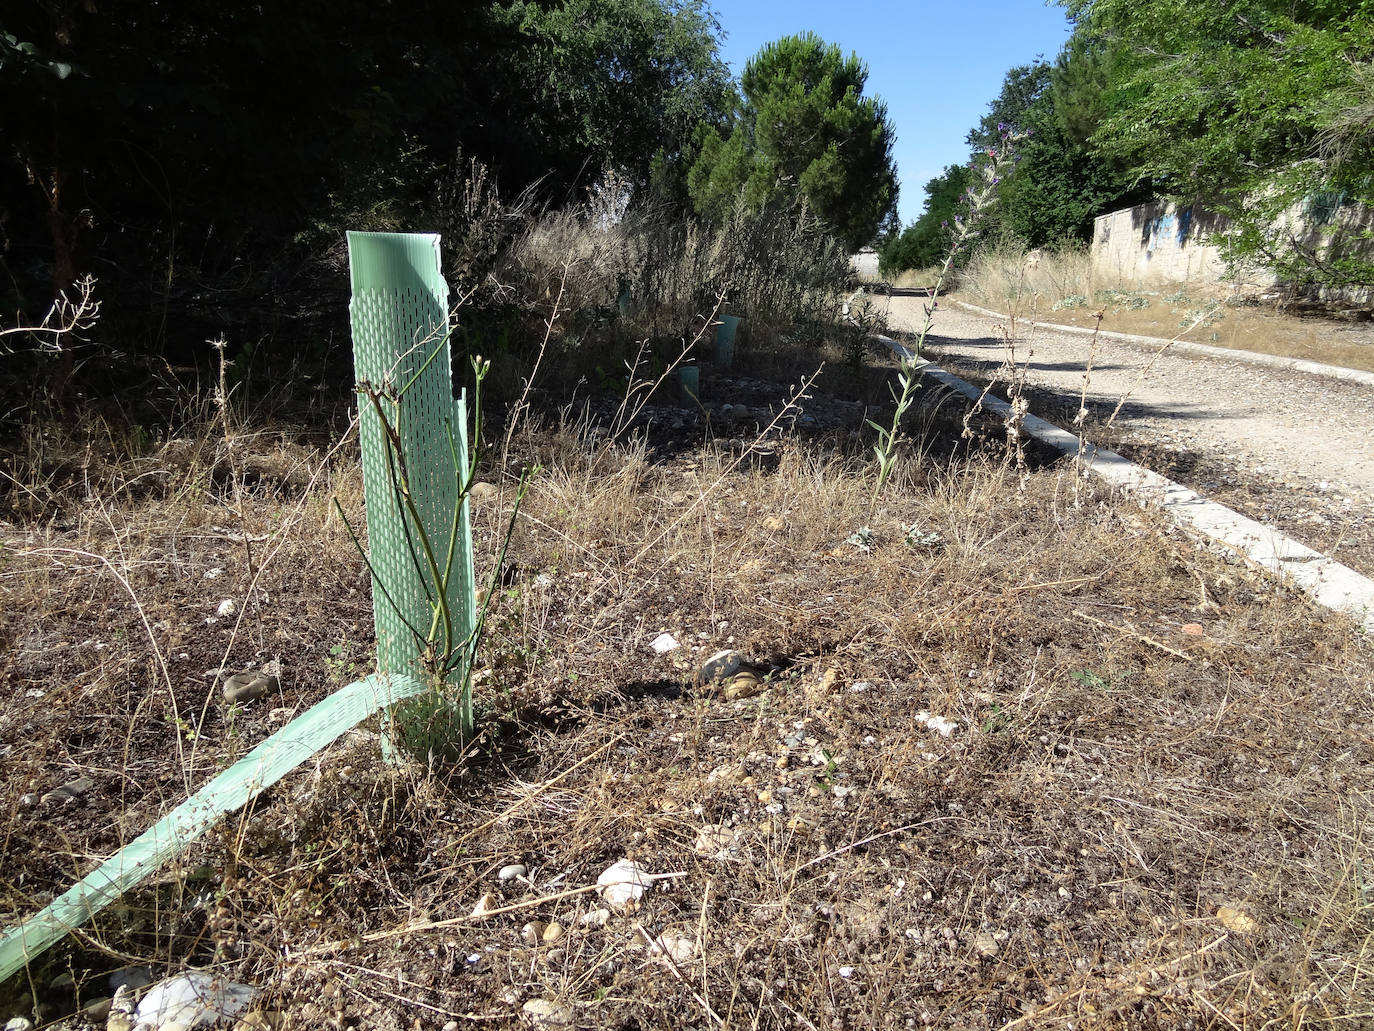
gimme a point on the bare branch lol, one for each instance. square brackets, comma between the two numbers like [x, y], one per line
[66, 316]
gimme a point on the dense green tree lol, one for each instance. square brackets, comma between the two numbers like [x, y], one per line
[1210, 95]
[926, 241]
[196, 156]
[1060, 186]
[1022, 88]
[803, 130]
[604, 83]
[1231, 104]
[1060, 182]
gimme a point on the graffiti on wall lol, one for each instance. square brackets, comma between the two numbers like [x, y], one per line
[1156, 242]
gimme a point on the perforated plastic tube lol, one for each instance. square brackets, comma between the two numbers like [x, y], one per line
[401, 352]
[400, 346]
[266, 764]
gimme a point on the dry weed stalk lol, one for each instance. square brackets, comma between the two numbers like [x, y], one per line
[978, 202]
[65, 317]
[1145, 369]
[1014, 373]
[638, 390]
[517, 413]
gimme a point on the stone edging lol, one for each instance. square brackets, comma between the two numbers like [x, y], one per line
[1203, 350]
[1329, 582]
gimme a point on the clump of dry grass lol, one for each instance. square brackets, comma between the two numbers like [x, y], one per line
[654, 274]
[1009, 273]
[917, 278]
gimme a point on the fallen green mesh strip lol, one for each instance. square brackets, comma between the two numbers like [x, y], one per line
[319, 726]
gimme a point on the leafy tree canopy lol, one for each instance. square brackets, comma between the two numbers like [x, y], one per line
[926, 241]
[606, 83]
[1249, 107]
[194, 154]
[803, 129]
[1022, 88]
[1209, 97]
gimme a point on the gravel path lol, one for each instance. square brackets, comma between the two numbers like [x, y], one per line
[1290, 448]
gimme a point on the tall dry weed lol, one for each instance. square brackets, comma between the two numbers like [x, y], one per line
[1008, 272]
[661, 271]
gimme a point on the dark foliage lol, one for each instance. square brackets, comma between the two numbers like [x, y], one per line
[202, 160]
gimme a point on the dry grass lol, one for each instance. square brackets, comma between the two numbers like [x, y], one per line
[1151, 811]
[917, 278]
[1060, 286]
[1008, 272]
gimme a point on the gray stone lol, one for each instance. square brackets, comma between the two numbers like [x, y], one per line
[247, 687]
[73, 789]
[132, 978]
[719, 668]
[547, 1012]
[97, 1010]
[194, 998]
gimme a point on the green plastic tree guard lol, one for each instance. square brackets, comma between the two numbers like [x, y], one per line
[725, 340]
[689, 376]
[401, 352]
[400, 320]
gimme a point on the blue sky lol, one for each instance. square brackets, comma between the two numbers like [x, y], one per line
[936, 64]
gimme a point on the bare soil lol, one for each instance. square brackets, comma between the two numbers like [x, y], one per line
[1290, 449]
[1025, 757]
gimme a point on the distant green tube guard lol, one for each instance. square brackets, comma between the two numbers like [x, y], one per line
[689, 376]
[725, 340]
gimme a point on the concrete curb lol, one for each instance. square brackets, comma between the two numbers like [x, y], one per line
[1329, 582]
[1203, 350]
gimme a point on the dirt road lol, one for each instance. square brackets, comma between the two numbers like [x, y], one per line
[1286, 447]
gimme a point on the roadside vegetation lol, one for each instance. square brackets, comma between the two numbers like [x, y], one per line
[1058, 285]
[996, 748]
[1247, 111]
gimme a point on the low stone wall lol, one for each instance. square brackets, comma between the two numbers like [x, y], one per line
[865, 263]
[1156, 243]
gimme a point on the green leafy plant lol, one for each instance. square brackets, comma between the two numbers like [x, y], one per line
[998, 720]
[995, 163]
[862, 538]
[918, 538]
[1092, 680]
[828, 775]
[439, 722]
[1121, 300]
